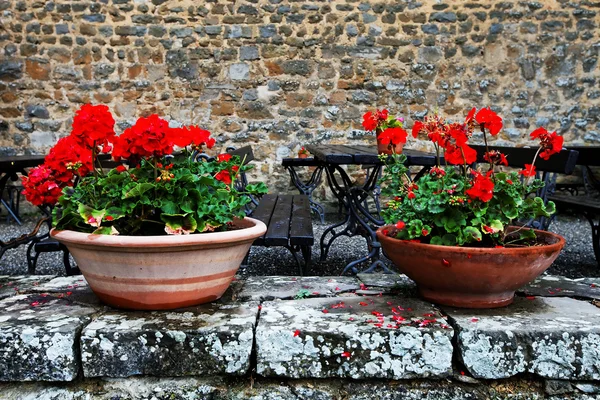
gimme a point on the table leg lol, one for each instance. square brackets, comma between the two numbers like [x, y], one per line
[358, 216]
[308, 188]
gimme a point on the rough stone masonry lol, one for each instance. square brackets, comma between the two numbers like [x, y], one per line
[279, 74]
[297, 338]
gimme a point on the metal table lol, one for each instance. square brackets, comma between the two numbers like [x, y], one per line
[359, 201]
[9, 168]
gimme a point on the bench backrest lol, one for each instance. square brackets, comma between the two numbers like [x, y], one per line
[563, 162]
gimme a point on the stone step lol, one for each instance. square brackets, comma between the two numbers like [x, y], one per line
[358, 328]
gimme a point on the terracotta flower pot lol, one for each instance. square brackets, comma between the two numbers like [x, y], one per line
[471, 277]
[161, 272]
[302, 155]
[389, 148]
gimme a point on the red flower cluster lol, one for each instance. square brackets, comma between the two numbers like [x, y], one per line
[495, 157]
[528, 171]
[551, 143]
[93, 126]
[488, 119]
[149, 137]
[483, 187]
[453, 138]
[67, 158]
[152, 137]
[40, 188]
[93, 130]
[372, 120]
[393, 136]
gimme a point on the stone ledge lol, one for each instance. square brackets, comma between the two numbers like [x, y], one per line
[353, 337]
[220, 388]
[552, 337]
[206, 340]
[306, 327]
[39, 338]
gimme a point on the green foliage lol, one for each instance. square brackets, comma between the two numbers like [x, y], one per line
[302, 294]
[182, 196]
[437, 208]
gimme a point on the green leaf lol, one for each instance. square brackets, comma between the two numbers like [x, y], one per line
[138, 190]
[527, 234]
[437, 240]
[106, 230]
[472, 233]
[169, 207]
[177, 224]
[90, 216]
[449, 239]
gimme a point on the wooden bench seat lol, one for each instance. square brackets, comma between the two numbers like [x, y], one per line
[589, 207]
[289, 225]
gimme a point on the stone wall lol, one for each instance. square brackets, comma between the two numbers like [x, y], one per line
[279, 74]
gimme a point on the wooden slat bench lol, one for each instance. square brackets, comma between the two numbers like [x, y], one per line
[584, 204]
[289, 225]
[288, 217]
[306, 186]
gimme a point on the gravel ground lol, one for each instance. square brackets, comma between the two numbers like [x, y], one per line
[576, 260]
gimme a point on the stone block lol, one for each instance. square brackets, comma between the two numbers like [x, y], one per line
[559, 286]
[39, 336]
[355, 337]
[249, 53]
[205, 340]
[557, 338]
[11, 285]
[11, 70]
[261, 288]
[239, 71]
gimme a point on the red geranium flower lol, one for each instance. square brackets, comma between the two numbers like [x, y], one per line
[67, 157]
[458, 155]
[149, 137]
[495, 157]
[489, 120]
[393, 135]
[224, 157]
[551, 143]
[93, 125]
[416, 129]
[528, 171]
[400, 225]
[40, 188]
[224, 176]
[370, 121]
[482, 187]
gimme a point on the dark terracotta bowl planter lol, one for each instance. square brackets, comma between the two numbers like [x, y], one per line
[471, 277]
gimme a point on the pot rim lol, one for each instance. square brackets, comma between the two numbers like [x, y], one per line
[560, 243]
[257, 228]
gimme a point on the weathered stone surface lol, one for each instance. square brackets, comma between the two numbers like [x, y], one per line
[215, 388]
[357, 337]
[387, 283]
[261, 288]
[39, 338]
[559, 286]
[205, 340]
[11, 285]
[555, 338]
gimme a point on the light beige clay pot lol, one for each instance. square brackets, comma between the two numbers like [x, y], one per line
[161, 272]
